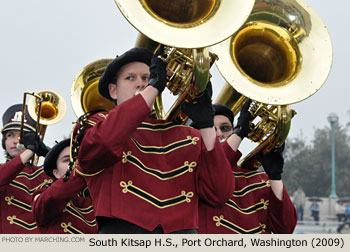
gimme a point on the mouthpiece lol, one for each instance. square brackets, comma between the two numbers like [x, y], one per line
[19, 146]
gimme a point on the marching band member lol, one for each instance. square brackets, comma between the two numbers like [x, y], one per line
[260, 202]
[146, 175]
[63, 207]
[18, 178]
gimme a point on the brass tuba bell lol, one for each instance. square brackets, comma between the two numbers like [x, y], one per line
[84, 90]
[186, 28]
[186, 23]
[281, 55]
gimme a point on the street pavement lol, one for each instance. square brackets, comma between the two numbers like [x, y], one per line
[323, 227]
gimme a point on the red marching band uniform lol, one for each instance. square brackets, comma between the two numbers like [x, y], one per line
[150, 172]
[253, 207]
[57, 211]
[18, 182]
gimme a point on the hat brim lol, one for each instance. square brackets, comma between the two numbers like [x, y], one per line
[52, 155]
[17, 126]
[133, 55]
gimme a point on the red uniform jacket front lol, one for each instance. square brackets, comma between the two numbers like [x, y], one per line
[17, 185]
[150, 172]
[253, 207]
[64, 207]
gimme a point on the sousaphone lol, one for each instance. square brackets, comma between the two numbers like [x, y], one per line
[281, 55]
[84, 90]
[186, 28]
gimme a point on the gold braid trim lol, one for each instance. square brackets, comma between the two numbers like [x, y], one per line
[68, 228]
[221, 221]
[104, 116]
[76, 141]
[167, 148]
[71, 209]
[262, 205]
[12, 201]
[158, 126]
[14, 220]
[187, 167]
[31, 176]
[25, 188]
[130, 188]
[251, 188]
[248, 174]
[88, 175]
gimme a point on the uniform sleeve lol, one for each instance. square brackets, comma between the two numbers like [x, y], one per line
[104, 141]
[48, 203]
[282, 214]
[10, 170]
[231, 155]
[215, 181]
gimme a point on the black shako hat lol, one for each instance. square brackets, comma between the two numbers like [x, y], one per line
[11, 119]
[221, 109]
[50, 162]
[133, 55]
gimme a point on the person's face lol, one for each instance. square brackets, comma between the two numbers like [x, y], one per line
[62, 163]
[223, 127]
[11, 140]
[132, 78]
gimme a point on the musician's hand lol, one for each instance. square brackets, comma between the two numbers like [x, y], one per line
[32, 141]
[200, 109]
[272, 163]
[158, 71]
[242, 128]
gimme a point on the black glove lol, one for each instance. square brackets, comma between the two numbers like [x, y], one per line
[32, 141]
[158, 72]
[272, 163]
[242, 128]
[200, 109]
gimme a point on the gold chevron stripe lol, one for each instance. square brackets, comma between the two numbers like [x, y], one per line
[129, 187]
[221, 221]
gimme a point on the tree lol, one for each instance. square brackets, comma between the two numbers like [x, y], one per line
[309, 164]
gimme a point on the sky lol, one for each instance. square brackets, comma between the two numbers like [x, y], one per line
[45, 43]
